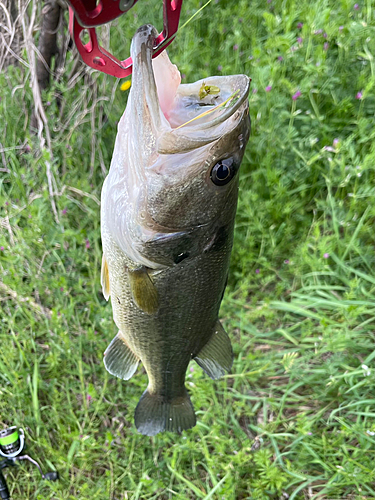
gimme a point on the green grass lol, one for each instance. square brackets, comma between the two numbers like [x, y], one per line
[296, 416]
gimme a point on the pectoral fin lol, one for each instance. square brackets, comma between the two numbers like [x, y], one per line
[105, 278]
[119, 359]
[216, 357]
[143, 290]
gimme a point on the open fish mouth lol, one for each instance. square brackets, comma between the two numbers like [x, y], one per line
[181, 117]
[169, 139]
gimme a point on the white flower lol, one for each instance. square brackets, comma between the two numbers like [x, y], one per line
[366, 370]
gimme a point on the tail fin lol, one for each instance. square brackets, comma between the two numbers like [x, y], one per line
[155, 414]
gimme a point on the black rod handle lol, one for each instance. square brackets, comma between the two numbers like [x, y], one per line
[4, 492]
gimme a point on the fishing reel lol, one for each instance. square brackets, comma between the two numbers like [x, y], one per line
[12, 444]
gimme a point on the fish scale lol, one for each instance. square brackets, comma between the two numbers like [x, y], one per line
[176, 324]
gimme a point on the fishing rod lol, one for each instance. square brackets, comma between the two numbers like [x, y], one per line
[12, 444]
[88, 14]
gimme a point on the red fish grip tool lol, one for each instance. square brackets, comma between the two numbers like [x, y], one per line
[87, 14]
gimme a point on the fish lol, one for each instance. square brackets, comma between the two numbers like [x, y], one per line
[168, 208]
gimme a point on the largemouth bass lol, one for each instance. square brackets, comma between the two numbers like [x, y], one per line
[167, 219]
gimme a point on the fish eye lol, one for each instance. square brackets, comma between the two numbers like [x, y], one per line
[222, 172]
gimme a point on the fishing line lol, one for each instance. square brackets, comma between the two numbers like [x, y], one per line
[222, 105]
[192, 17]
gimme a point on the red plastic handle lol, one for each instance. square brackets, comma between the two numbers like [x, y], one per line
[91, 14]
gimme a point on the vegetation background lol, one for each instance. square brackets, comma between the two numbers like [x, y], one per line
[295, 418]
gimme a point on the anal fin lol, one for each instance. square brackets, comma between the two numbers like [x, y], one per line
[104, 279]
[119, 359]
[216, 357]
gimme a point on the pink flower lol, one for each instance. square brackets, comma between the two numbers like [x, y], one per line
[286, 261]
[335, 142]
[326, 45]
[356, 6]
[88, 398]
[268, 88]
[280, 58]
[300, 25]
[341, 28]
[64, 211]
[61, 289]
[87, 244]
[296, 95]
[318, 32]
[220, 68]
[299, 40]
[326, 255]
[2, 249]
[257, 271]
[235, 47]
[359, 95]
